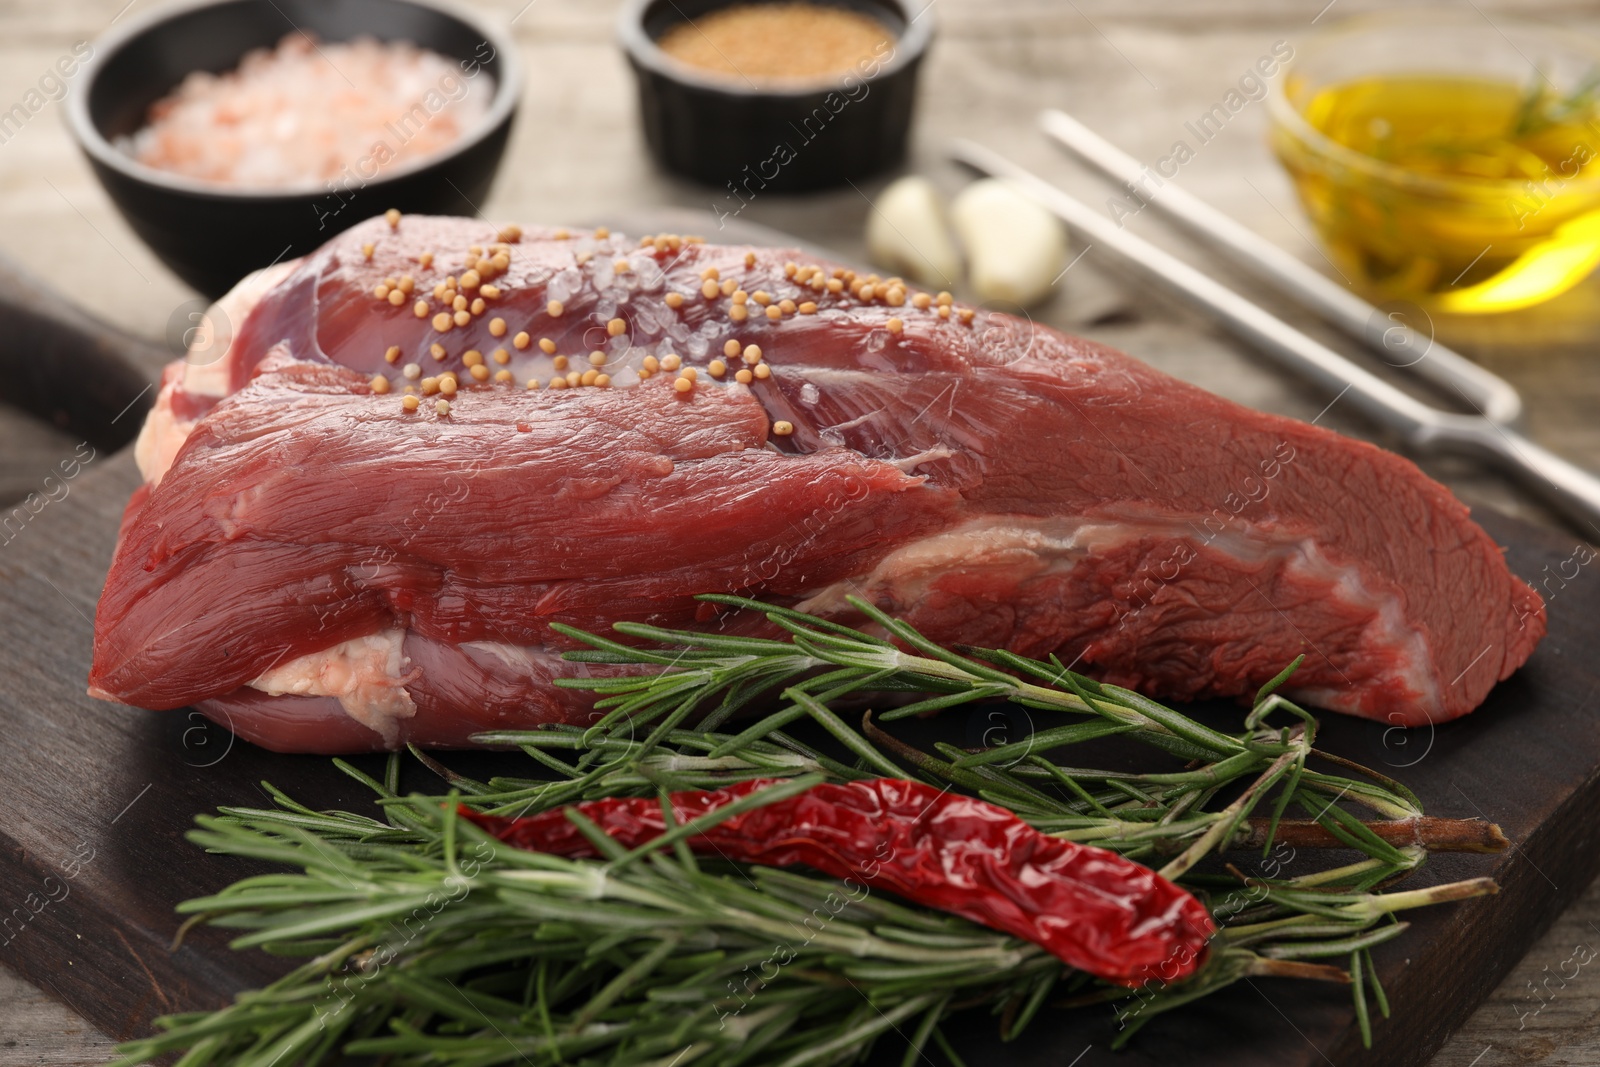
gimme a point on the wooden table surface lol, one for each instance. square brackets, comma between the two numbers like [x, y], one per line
[1133, 69]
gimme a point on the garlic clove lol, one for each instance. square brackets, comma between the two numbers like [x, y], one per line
[907, 234]
[1015, 248]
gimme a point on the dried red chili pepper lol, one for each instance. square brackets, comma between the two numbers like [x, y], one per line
[1095, 910]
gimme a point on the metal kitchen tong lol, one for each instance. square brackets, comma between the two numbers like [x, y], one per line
[1489, 435]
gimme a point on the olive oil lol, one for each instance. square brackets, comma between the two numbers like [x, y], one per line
[1468, 194]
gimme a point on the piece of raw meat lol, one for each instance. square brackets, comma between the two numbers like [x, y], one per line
[324, 570]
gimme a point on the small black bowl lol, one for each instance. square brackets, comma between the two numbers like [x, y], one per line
[748, 139]
[211, 235]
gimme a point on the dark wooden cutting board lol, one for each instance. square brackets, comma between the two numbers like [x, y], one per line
[98, 797]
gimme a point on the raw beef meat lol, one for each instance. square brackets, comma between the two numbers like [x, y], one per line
[325, 570]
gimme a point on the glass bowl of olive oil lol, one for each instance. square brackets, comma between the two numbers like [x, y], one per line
[1448, 159]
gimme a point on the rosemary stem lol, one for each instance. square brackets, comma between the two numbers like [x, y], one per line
[1436, 835]
[1227, 819]
[1375, 904]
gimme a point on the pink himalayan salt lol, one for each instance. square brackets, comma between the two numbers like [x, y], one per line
[299, 114]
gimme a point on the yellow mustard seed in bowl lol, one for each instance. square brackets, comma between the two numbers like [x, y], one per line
[765, 42]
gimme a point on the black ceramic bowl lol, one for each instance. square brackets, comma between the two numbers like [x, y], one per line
[745, 139]
[211, 235]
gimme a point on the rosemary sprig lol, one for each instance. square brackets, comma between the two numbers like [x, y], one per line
[1542, 108]
[425, 941]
